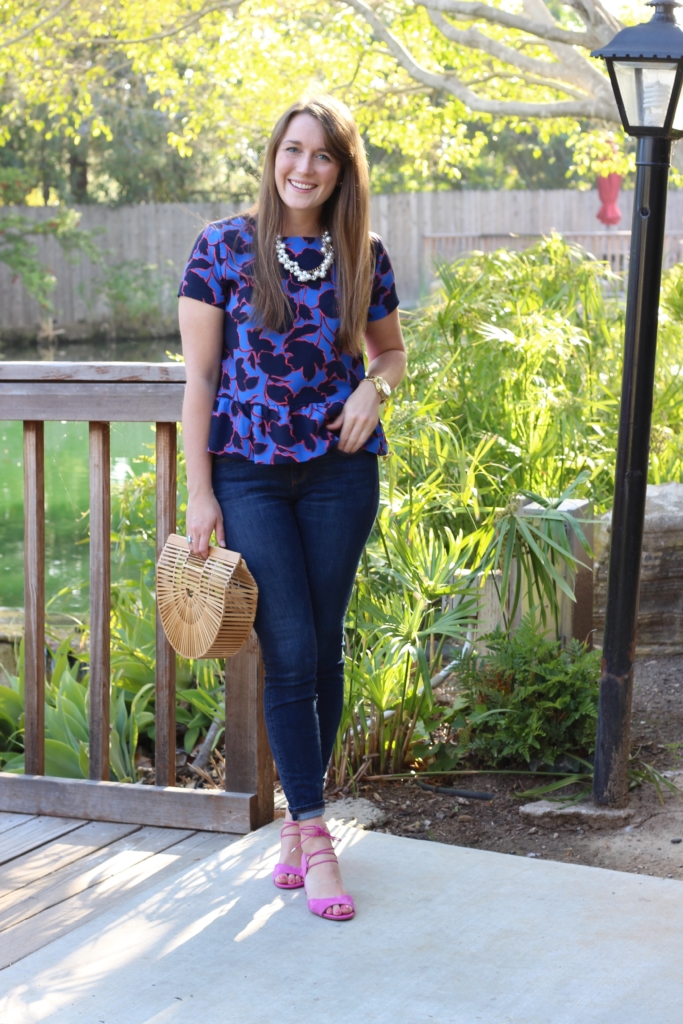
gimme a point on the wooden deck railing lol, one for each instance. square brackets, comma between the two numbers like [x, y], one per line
[101, 393]
[614, 247]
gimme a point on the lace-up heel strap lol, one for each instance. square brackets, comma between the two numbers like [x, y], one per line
[294, 830]
[330, 858]
[312, 831]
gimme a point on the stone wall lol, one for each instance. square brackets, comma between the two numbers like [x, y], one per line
[660, 616]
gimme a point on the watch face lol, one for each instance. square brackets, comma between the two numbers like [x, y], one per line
[380, 386]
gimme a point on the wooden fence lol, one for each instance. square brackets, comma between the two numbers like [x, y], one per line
[100, 393]
[407, 221]
[161, 235]
[613, 247]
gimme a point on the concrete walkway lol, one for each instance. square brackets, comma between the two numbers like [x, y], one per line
[443, 933]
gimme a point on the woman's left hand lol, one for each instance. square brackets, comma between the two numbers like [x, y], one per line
[358, 418]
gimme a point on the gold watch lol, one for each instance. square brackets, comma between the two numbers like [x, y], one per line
[380, 385]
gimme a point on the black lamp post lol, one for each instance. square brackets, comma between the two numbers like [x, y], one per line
[645, 65]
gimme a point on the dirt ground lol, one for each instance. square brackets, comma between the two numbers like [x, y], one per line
[652, 844]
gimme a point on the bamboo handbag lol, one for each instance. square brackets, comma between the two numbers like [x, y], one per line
[207, 608]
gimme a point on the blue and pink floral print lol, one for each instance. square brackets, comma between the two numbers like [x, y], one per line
[279, 390]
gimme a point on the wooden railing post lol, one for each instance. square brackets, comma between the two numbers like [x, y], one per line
[165, 724]
[100, 600]
[34, 598]
[248, 760]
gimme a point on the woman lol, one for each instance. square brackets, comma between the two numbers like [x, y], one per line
[282, 433]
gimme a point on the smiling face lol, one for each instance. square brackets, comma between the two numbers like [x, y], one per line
[306, 174]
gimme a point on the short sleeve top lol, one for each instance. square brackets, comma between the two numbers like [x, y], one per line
[279, 390]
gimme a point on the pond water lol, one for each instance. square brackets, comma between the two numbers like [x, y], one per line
[66, 482]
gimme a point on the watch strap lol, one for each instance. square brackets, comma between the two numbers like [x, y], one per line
[380, 384]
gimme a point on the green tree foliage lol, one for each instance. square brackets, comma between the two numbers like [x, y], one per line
[133, 163]
[429, 84]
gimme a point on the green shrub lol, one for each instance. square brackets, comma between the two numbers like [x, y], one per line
[511, 390]
[67, 733]
[15, 185]
[529, 699]
[141, 298]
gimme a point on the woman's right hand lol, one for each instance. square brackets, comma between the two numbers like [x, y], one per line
[202, 518]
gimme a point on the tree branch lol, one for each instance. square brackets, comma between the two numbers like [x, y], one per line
[449, 82]
[473, 10]
[548, 83]
[592, 13]
[38, 24]
[224, 5]
[471, 37]
[378, 95]
[571, 57]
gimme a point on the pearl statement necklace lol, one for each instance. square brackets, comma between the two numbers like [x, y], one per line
[293, 266]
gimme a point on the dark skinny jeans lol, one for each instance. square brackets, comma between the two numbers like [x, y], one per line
[301, 528]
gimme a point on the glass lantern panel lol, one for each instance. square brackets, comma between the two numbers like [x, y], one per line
[645, 88]
[678, 116]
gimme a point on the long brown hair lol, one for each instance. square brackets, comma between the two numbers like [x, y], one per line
[346, 215]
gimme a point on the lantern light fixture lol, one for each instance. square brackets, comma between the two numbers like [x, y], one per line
[645, 65]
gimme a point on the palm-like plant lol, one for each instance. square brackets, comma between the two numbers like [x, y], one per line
[511, 397]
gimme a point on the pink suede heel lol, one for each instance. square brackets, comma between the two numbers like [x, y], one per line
[287, 869]
[319, 906]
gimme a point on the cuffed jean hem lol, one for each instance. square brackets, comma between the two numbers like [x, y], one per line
[317, 812]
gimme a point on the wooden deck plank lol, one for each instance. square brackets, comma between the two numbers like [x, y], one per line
[58, 854]
[87, 872]
[30, 935]
[34, 833]
[8, 820]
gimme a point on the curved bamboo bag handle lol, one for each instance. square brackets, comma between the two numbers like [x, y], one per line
[207, 608]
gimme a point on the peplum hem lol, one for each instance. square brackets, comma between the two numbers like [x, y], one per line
[277, 434]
